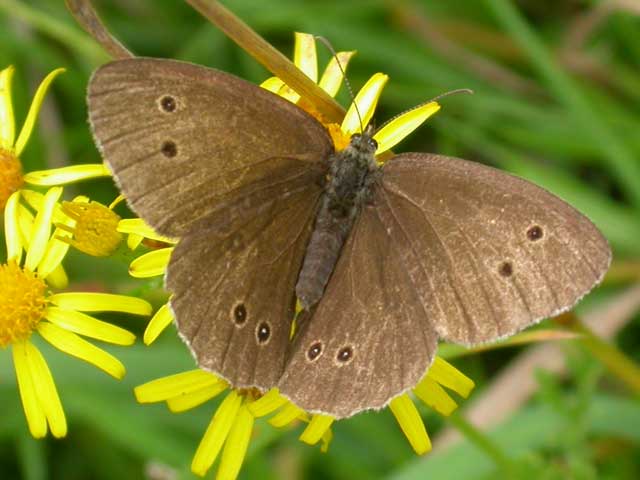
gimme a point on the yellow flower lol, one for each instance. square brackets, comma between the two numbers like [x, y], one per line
[27, 307]
[365, 102]
[86, 225]
[230, 429]
[232, 424]
[92, 227]
[11, 176]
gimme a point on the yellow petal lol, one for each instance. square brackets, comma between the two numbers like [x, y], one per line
[397, 129]
[269, 402]
[139, 227]
[58, 278]
[56, 248]
[449, 376]
[196, 397]
[65, 175]
[25, 224]
[235, 447]
[332, 77]
[41, 229]
[72, 344]
[366, 100]
[316, 429]
[83, 324]
[286, 415]
[46, 391]
[54, 253]
[157, 324]
[36, 202]
[273, 84]
[172, 386]
[36, 418]
[431, 393]
[305, 56]
[12, 228]
[101, 302]
[30, 121]
[120, 198]
[216, 434]
[7, 120]
[134, 240]
[277, 86]
[411, 423]
[151, 264]
[326, 441]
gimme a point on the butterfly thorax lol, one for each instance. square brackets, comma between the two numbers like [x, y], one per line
[351, 176]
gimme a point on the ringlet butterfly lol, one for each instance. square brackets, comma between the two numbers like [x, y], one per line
[386, 260]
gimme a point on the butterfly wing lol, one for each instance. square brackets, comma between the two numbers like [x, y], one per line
[487, 253]
[233, 283]
[180, 137]
[236, 172]
[368, 339]
[448, 248]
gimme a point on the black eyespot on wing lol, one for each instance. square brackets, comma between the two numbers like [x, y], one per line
[345, 354]
[169, 149]
[263, 333]
[240, 314]
[168, 104]
[314, 351]
[506, 269]
[535, 233]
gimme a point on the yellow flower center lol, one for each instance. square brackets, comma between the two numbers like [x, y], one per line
[11, 178]
[340, 140]
[95, 232]
[22, 303]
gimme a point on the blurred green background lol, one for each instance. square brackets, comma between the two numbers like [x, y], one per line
[557, 100]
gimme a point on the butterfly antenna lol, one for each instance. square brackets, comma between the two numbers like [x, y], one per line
[344, 75]
[434, 99]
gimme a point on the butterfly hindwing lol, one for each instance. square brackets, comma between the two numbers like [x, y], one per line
[232, 283]
[373, 338]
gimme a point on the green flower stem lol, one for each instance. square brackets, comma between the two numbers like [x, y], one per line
[625, 166]
[484, 443]
[617, 362]
[57, 29]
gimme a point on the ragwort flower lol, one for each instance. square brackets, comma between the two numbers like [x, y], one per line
[230, 429]
[231, 426]
[11, 147]
[27, 307]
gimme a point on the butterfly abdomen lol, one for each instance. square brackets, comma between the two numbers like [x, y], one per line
[351, 176]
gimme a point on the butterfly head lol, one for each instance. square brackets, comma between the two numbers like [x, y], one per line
[363, 143]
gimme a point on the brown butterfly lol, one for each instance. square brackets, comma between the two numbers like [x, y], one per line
[386, 260]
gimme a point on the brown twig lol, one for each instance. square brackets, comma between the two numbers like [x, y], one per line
[86, 16]
[269, 57]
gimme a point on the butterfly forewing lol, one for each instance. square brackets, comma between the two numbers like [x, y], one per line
[179, 137]
[488, 253]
